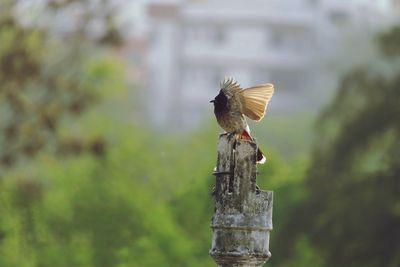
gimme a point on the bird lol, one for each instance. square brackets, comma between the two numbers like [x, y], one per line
[233, 103]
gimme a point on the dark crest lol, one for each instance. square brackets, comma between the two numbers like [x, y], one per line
[229, 84]
[220, 103]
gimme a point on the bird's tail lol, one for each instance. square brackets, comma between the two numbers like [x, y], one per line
[245, 135]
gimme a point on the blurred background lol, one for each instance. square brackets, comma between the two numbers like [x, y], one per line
[108, 139]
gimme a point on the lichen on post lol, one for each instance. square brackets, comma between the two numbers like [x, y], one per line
[243, 213]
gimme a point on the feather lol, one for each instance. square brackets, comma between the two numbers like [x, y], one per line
[255, 99]
[230, 87]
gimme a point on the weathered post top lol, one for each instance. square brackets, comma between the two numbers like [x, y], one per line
[243, 213]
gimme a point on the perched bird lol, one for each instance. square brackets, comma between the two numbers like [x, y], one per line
[233, 103]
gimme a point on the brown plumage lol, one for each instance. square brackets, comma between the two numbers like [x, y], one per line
[233, 103]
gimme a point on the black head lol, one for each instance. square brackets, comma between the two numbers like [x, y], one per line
[220, 102]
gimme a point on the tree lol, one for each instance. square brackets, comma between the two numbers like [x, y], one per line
[45, 73]
[353, 210]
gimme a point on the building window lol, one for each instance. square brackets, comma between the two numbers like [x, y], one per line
[218, 35]
[313, 2]
[290, 39]
[204, 34]
[338, 17]
[276, 38]
[289, 80]
[191, 33]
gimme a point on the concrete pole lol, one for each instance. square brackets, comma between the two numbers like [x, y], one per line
[243, 213]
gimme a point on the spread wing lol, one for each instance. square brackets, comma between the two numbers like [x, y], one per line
[255, 100]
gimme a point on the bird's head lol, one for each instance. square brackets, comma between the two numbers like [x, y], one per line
[220, 102]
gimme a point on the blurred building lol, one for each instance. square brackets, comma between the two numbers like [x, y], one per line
[395, 7]
[195, 44]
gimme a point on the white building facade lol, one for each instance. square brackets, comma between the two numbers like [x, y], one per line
[195, 44]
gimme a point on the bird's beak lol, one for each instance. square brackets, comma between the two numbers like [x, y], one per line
[212, 101]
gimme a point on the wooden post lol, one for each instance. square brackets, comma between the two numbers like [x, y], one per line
[243, 213]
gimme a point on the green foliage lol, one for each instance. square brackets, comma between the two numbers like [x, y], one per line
[291, 134]
[45, 80]
[81, 185]
[110, 212]
[351, 214]
[139, 204]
